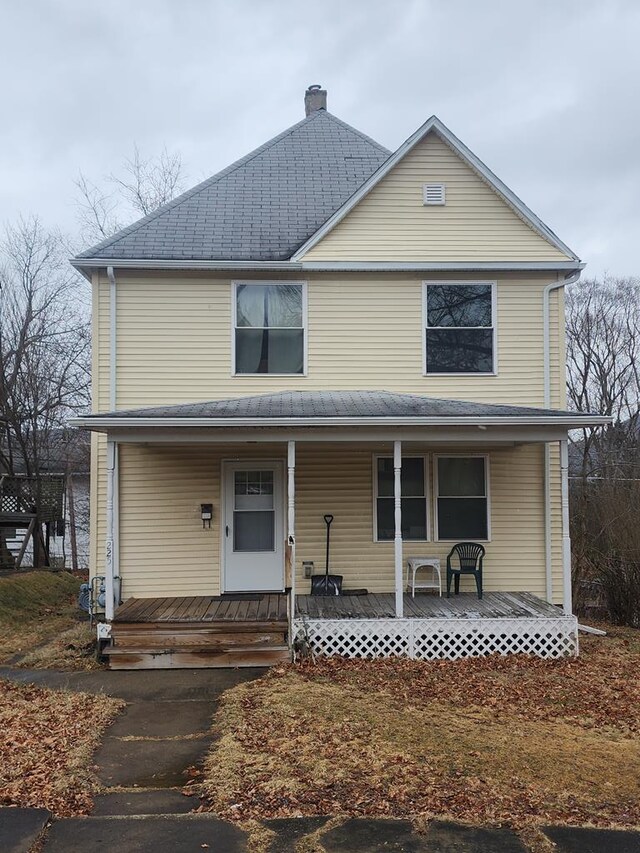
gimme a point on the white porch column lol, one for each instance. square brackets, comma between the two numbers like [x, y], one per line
[548, 557]
[566, 536]
[397, 492]
[291, 517]
[110, 538]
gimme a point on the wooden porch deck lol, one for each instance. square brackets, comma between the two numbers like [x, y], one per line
[258, 608]
[466, 605]
[253, 629]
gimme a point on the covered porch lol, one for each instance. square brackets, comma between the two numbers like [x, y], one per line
[319, 450]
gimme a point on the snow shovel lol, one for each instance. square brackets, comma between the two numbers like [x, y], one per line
[326, 584]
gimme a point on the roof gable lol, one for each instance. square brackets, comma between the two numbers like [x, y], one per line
[264, 206]
[479, 206]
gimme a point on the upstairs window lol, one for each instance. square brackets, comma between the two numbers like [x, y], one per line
[269, 329]
[460, 328]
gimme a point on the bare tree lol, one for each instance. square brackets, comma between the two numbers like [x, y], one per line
[44, 345]
[141, 186]
[603, 351]
[603, 347]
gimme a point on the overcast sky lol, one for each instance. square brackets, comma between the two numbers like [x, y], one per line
[546, 92]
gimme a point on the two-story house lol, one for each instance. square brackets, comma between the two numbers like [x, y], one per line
[329, 328]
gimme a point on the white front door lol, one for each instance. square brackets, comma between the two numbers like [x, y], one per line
[253, 528]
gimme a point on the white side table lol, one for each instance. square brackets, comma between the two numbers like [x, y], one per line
[414, 564]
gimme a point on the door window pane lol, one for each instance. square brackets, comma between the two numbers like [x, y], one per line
[253, 531]
[253, 490]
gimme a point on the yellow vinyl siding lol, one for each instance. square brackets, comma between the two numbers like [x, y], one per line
[391, 223]
[165, 551]
[174, 340]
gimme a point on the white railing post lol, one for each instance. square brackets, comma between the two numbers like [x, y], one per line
[291, 521]
[566, 535]
[397, 494]
[109, 544]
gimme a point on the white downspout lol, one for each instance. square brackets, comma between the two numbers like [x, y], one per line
[546, 314]
[566, 536]
[397, 491]
[113, 513]
[109, 544]
[291, 528]
[112, 338]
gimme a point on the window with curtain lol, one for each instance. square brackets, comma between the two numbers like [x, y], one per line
[459, 332]
[269, 328]
[462, 498]
[413, 498]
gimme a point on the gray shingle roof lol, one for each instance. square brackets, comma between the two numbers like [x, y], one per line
[335, 404]
[264, 206]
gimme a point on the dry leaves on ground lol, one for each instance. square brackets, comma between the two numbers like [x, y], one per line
[495, 740]
[47, 741]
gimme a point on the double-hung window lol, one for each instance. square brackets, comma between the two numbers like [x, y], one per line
[462, 497]
[413, 488]
[269, 328]
[459, 327]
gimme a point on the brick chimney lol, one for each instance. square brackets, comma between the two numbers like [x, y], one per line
[315, 98]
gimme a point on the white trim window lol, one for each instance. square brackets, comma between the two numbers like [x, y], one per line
[462, 498]
[269, 328]
[414, 499]
[459, 327]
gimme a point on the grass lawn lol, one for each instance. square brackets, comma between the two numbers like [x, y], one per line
[498, 740]
[47, 741]
[41, 625]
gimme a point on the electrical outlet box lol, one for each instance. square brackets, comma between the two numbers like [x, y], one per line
[307, 566]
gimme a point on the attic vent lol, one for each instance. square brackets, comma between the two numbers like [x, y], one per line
[433, 194]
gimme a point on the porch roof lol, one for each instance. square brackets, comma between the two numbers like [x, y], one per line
[336, 408]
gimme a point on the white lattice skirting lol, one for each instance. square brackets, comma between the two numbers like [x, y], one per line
[429, 639]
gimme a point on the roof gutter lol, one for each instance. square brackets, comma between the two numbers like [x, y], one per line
[83, 264]
[123, 422]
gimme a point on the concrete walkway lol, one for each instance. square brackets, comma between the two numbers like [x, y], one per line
[165, 730]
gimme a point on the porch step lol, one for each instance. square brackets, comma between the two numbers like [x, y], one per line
[195, 657]
[170, 638]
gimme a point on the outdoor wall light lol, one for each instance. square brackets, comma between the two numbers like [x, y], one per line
[206, 514]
